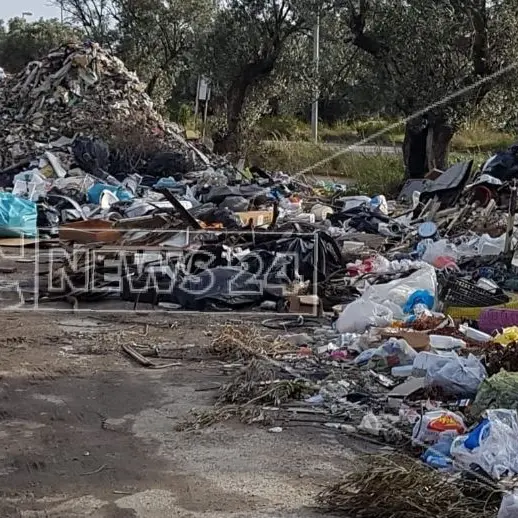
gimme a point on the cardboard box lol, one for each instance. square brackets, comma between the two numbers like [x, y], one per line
[416, 340]
[259, 217]
[305, 305]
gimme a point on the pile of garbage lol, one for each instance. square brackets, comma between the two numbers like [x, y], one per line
[405, 311]
[76, 89]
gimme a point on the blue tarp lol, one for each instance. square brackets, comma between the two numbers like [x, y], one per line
[18, 217]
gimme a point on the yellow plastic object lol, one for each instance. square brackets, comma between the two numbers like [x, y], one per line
[459, 312]
[507, 336]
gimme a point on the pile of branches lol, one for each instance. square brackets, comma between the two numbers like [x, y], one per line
[244, 343]
[397, 486]
[258, 382]
[198, 419]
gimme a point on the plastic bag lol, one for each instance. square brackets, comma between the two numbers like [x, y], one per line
[395, 294]
[438, 455]
[91, 154]
[392, 353]
[492, 445]
[436, 425]
[509, 506]
[507, 336]
[235, 203]
[483, 245]
[419, 300]
[437, 249]
[458, 377]
[95, 192]
[18, 217]
[361, 314]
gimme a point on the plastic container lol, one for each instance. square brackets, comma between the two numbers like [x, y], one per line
[463, 293]
[474, 334]
[446, 343]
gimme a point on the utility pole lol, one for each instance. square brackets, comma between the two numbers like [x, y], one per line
[316, 93]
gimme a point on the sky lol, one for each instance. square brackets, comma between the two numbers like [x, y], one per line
[38, 8]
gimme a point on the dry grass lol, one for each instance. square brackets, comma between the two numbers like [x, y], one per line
[247, 389]
[477, 136]
[245, 343]
[258, 383]
[249, 382]
[396, 486]
[199, 419]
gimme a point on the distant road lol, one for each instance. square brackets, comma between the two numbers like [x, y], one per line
[368, 149]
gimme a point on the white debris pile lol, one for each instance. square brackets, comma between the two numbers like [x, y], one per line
[76, 89]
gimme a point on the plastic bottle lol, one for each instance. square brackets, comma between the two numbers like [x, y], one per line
[474, 334]
[438, 456]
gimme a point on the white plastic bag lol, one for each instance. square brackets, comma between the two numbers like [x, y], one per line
[361, 314]
[483, 245]
[429, 428]
[509, 506]
[441, 248]
[392, 353]
[394, 295]
[497, 450]
[458, 376]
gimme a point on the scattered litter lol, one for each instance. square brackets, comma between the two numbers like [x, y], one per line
[392, 318]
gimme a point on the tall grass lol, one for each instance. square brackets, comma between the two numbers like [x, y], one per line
[473, 136]
[479, 136]
[371, 174]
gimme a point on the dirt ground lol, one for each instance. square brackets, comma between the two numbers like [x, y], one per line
[87, 432]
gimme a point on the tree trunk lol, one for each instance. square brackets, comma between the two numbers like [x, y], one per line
[230, 140]
[150, 88]
[426, 146]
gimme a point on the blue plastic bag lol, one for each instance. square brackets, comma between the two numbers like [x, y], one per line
[94, 193]
[18, 217]
[421, 298]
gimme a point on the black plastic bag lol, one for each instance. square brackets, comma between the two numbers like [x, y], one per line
[221, 286]
[302, 248]
[170, 163]
[91, 154]
[235, 203]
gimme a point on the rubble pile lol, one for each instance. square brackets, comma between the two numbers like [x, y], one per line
[390, 321]
[78, 88]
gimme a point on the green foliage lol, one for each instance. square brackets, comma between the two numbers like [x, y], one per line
[156, 38]
[24, 42]
[96, 18]
[184, 114]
